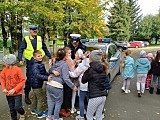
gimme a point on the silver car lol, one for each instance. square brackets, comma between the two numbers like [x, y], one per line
[112, 52]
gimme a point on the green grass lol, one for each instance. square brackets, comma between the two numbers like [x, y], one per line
[156, 45]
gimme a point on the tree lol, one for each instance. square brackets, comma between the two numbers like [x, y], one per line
[119, 21]
[135, 17]
[149, 28]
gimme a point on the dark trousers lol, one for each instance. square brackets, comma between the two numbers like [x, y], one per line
[15, 105]
[67, 95]
[27, 88]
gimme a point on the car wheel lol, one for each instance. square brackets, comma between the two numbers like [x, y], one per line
[120, 49]
[136, 46]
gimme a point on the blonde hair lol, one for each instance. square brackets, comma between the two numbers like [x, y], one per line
[127, 53]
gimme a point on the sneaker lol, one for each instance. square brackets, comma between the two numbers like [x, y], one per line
[34, 112]
[41, 115]
[78, 112]
[127, 91]
[79, 118]
[73, 110]
[22, 117]
[147, 88]
[102, 117]
[123, 89]
[49, 118]
[64, 113]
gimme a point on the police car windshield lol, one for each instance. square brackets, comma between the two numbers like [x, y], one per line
[96, 46]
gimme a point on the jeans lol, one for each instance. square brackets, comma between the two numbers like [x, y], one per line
[54, 100]
[38, 100]
[27, 88]
[154, 79]
[15, 105]
[82, 96]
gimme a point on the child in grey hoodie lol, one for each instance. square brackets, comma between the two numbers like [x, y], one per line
[55, 86]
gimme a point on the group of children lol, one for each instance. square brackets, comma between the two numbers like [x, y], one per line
[148, 71]
[87, 75]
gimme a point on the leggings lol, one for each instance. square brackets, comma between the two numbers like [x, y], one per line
[95, 105]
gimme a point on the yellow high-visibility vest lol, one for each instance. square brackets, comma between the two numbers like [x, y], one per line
[28, 52]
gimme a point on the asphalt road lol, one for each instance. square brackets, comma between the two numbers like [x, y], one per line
[119, 106]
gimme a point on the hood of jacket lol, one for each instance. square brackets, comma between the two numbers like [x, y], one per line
[142, 61]
[57, 64]
[129, 60]
[97, 66]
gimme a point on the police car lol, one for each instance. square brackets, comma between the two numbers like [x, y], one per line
[111, 50]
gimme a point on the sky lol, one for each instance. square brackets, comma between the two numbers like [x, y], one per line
[149, 6]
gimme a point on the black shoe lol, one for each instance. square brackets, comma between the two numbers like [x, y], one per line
[139, 95]
[151, 89]
[27, 101]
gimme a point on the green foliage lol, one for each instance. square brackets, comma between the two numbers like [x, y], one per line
[9, 44]
[135, 17]
[119, 21]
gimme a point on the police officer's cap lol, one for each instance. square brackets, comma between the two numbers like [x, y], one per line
[33, 27]
[75, 37]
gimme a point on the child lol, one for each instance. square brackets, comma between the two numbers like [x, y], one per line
[69, 95]
[38, 75]
[55, 86]
[155, 71]
[149, 75]
[142, 66]
[71, 65]
[78, 59]
[78, 72]
[128, 71]
[12, 81]
[95, 76]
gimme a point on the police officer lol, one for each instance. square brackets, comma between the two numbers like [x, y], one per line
[75, 44]
[27, 47]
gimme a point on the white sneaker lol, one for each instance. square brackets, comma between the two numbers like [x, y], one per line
[127, 91]
[123, 89]
[73, 110]
[78, 112]
[102, 117]
[79, 118]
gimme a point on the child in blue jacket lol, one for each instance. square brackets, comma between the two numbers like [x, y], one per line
[128, 71]
[142, 66]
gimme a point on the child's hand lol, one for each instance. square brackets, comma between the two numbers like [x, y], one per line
[75, 88]
[56, 73]
[50, 62]
[49, 78]
[4, 91]
[11, 92]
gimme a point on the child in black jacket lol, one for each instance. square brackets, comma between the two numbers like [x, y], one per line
[95, 76]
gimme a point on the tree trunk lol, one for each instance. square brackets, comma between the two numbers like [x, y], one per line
[13, 32]
[19, 31]
[4, 34]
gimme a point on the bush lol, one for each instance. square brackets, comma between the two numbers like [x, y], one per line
[9, 44]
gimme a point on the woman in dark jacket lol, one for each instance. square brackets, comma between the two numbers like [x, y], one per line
[95, 76]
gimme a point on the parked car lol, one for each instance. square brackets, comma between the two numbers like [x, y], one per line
[146, 43]
[135, 44]
[122, 45]
[113, 54]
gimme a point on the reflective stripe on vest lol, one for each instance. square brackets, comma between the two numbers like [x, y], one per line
[28, 52]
